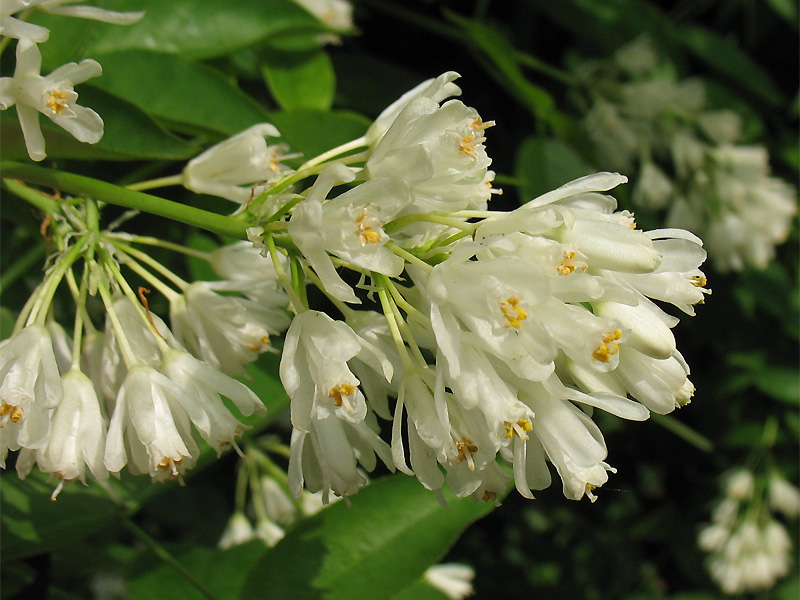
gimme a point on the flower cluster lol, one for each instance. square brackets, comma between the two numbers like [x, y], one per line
[135, 393]
[749, 550]
[480, 334]
[707, 181]
[487, 338]
[52, 95]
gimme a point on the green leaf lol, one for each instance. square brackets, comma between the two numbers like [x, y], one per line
[787, 9]
[190, 96]
[312, 132]
[421, 590]
[776, 381]
[300, 80]
[33, 524]
[394, 530]
[728, 59]
[201, 28]
[129, 134]
[543, 164]
[505, 68]
[222, 572]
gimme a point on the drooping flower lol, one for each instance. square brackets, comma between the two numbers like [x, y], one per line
[237, 166]
[18, 29]
[53, 96]
[350, 226]
[337, 14]
[227, 332]
[30, 387]
[203, 386]
[77, 435]
[452, 579]
[150, 423]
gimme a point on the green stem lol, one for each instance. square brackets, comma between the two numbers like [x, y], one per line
[166, 557]
[410, 258]
[119, 196]
[39, 199]
[155, 183]
[684, 431]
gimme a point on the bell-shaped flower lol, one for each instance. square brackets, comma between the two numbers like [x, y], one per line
[77, 433]
[53, 96]
[437, 90]
[662, 385]
[149, 421]
[452, 579]
[438, 151]
[350, 226]
[327, 455]
[315, 372]
[204, 385]
[18, 29]
[30, 386]
[244, 263]
[227, 332]
[233, 168]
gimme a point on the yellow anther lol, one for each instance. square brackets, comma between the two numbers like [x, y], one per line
[364, 229]
[608, 348]
[568, 264]
[468, 144]
[340, 391]
[56, 101]
[519, 428]
[14, 414]
[466, 448]
[513, 312]
[699, 281]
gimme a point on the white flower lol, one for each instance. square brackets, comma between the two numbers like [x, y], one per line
[227, 332]
[93, 13]
[784, 497]
[269, 532]
[436, 90]
[30, 386]
[337, 14]
[150, 422]
[234, 168]
[53, 96]
[349, 226]
[315, 372]
[21, 30]
[326, 457]
[203, 386]
[439, 152]
[77, 433]
[280, 507]
[653, 189]
[740, 485]
[238, 531]
[452, 579]
[243, 262]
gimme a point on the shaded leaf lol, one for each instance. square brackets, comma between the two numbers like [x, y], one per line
[312, 132]
[300, 80]
[191, 96]
[394, 530]
[544, 164]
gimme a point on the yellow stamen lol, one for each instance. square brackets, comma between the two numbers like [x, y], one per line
[607, 349]
[340, 391]
[568, 265]
[14, 414]
[56, 101]
[364, 229]
[513, 312]
[699, 281]
[520, 428]
[466, 448]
